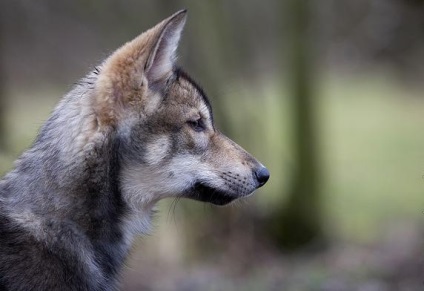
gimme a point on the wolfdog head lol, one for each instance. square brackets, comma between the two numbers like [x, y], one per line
[169, 145]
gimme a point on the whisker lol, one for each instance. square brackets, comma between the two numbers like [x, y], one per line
[174, 201]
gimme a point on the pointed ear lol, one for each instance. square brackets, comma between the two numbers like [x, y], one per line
[162, 56]
[127, 74]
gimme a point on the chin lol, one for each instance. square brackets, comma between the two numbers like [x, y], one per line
[205, 193]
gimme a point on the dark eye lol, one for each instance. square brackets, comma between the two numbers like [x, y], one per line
[197, 125]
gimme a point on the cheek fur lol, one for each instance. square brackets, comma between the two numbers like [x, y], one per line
[157, 150]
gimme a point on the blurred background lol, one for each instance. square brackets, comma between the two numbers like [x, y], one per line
[328, 94]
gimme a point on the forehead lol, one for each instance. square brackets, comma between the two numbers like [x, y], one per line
[184, 91]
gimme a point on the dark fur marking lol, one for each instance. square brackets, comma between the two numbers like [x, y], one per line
[180, 73]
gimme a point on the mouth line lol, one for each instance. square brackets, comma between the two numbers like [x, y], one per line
[206, 193]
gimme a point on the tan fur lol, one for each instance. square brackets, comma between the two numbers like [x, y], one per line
[132, 132]
[122, 82]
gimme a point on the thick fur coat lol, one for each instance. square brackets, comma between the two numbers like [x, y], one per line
[135, 130]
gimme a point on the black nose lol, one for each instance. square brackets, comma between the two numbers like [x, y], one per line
[262, 175]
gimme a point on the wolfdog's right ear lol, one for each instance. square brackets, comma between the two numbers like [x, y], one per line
[142, 63]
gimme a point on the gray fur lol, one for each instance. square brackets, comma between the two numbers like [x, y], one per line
[74, 201]
[62, 212]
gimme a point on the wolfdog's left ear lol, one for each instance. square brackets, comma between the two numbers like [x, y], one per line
[151, 53]
[162, 55]
[148, 58]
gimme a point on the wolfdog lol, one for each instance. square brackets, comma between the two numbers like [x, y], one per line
[135, 130]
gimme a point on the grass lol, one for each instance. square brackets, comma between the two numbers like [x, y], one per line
[371, 143]
[373, 150]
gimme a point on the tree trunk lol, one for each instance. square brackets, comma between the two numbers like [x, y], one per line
[298, 222]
